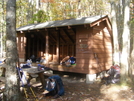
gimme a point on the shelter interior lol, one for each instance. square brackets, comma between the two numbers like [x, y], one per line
[64, 37]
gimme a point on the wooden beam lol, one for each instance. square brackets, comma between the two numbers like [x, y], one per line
[74, 30]
[98, 21]
[52, 36]
[62, 38]
[21, 31]
[69, 27]
[47, 49]
[62, 50]
[68, 35]
[28, 44]
[58, 46]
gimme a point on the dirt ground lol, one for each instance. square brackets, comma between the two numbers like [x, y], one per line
[76, 89]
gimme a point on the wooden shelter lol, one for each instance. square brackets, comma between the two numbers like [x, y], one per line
[89, 39]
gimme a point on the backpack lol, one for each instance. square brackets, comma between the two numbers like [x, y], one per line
[114, 75]
[55, 86]
[114, 71]
[73, 60]
[42, 67]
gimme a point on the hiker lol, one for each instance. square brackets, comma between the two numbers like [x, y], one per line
[27, 65]
[29, 62]
[66, 61]
[38, 59]
[114, 75]
[33, 58]
[54, 87]
[43, 60]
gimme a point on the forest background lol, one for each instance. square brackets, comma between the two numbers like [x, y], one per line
[120, 12]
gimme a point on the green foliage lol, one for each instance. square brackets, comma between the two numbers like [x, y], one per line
[132, 21]
[39, 17]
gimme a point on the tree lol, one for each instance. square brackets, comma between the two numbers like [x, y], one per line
[115, 31]
[121, 33]
[12, 87]
[126, 42]
[2, 28]
[39, 17]
[131, 41]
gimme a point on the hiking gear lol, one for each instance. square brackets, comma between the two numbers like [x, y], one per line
[73, 60]
[114, 71]
[114, 74]
[55, 86]
[42, 67]
[26, 66]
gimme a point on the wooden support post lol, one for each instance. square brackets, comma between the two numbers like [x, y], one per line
[62, 51]
[58, 47]
[67, 49]
[47, 48]
[29, 39]
[33, 53]
[42, 79]
[53, 52]
[37, 52]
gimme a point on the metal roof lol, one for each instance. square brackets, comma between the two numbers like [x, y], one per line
[61, 23]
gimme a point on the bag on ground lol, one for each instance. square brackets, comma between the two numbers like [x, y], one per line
[55, 86]
[114, 75]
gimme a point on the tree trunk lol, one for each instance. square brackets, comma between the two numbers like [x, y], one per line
[126, 43]
[79, 8]
[131, 70]
[115, 33]
[12, 87]
[2, 28]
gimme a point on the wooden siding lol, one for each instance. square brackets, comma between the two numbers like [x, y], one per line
[90, 42]
[21, 43]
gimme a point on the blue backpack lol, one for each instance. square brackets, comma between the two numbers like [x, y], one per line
[73, 60]
[55, 85]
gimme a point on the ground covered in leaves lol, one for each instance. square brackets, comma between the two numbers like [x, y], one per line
[77, 90]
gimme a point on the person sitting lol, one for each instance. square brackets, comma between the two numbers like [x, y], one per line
[54, 87]
[43, 60]
[29, 62]
[27, 65]
[66, 61]
[33, 58]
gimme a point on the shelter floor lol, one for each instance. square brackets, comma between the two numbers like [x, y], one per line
[59, 67]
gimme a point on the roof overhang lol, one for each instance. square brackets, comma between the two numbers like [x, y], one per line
[62, 23]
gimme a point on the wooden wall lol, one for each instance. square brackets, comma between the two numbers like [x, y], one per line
[93, 49]
[21, 43]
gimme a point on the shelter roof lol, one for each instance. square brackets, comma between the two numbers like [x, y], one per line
[62, 23]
